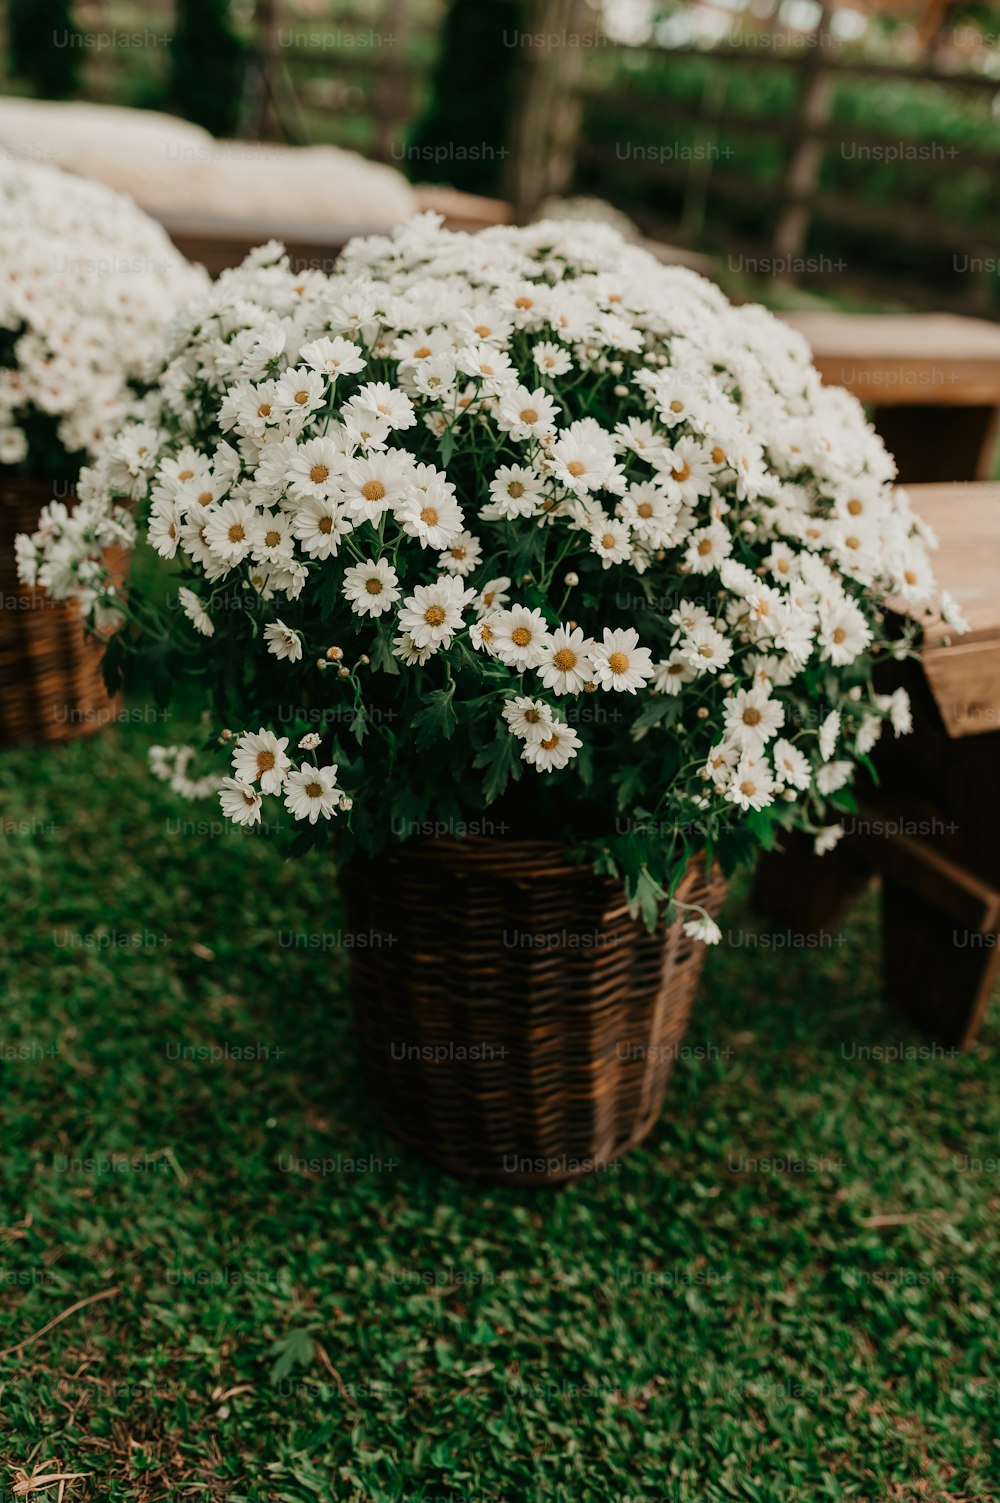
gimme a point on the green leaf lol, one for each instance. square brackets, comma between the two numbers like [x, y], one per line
[437, 721]
[294, 1349]
[502, 760]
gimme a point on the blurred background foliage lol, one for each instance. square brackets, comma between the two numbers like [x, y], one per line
[688, 117]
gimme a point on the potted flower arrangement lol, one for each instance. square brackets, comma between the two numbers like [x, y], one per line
[87, 283]
[549, 582]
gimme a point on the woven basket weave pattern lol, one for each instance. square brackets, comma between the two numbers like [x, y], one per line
[516, 1024]
[51, 688]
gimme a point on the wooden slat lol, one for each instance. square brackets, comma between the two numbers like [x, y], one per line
[906, 359]
[963, 672]
[919, 866]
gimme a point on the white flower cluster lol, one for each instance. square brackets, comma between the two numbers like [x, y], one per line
[87, 282]
[707, 519]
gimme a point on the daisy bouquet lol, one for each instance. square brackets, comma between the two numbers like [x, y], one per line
[524, 523]
[86, 285]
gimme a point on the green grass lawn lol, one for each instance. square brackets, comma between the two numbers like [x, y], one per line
[788, 1293]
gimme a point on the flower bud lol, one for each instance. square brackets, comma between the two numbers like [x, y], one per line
[571, 580]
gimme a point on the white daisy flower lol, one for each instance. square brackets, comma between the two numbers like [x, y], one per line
[869, 732]
[843, 634]
[332, 357]
[565, 665]
[432, 516]
[195, 611]
[707, 649]
[240, 802]
[551, 359]
[619, 662]
[319, 524]
[827, 838]
[300, 391]
[260, 754]
[791, 767]
[404, 648]
[315, 468]
[385, 402]
[462, 554]
[721, 761]
[583, 457]
[433, 613]
[310, 741]
[704, 929]
[482, 633]
[673, 672]
[611, 540]
[527, 414]
[751, 786]
[519, 637]
[833, 776]
[283, 642]
[514, 492]
[529, 719]
[273, 541]
[228, 532]
[493, 595]
[708, 547]
[373, 486]
[554, 750]
[897, 706]
[752, 717]
[371, 587]
[650, 513]
[828, 733]
[311, 792]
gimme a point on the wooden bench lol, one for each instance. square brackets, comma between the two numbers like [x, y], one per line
[217, 242]
[932, 380]
[931, 827]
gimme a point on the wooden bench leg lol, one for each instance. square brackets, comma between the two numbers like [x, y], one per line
[939, 443]
[938, 975]
[807, 893]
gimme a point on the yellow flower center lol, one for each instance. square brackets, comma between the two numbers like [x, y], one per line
[576, 467]
[319, 473]
[373, 490]
[236, 533]
[618, 662]
[751, 716]
[520, 636]
[265, 761]
[434, 615]
[564, 659]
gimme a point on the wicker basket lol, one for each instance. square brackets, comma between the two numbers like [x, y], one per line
[516, 1025]
[51, 688]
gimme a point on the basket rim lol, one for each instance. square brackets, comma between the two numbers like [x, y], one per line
[491, 853]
